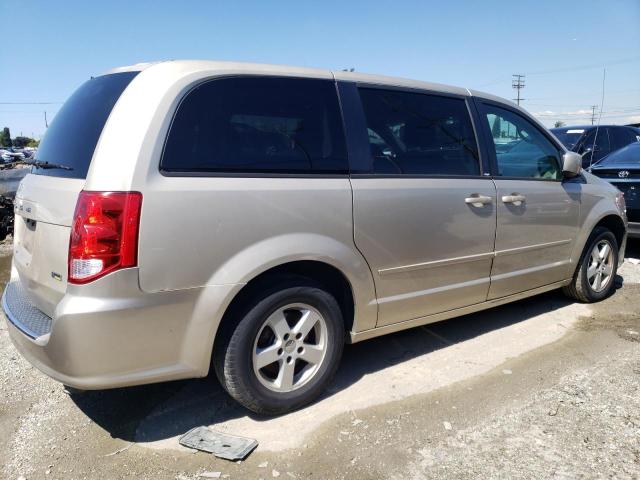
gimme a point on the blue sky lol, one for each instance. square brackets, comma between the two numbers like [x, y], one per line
[49, 48]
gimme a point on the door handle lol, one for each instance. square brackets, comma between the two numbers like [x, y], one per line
[477, 200]
[514, 198]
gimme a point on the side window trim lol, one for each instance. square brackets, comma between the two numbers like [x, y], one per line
[355, 128]
[489, 141]
[357, 137]
[484, 152]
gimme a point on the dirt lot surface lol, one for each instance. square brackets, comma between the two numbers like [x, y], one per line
[542, 388]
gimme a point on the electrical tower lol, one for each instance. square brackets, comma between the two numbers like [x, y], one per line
[593, 113]
[518, 83]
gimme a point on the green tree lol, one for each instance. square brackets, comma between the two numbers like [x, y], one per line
[559, 124]
[33, 143]
[5, 137]
[21, 142]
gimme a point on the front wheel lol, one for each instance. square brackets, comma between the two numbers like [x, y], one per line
[284, 351]
[594, 278]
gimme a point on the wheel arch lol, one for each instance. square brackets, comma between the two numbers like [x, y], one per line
[325, 274]
[327, 260]
[615, 224]
[609, 219]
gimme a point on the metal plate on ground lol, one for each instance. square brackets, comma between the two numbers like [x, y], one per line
[222, 445]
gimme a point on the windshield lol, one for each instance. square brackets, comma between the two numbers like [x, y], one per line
[570, 137]
[628, 155]
[74, 132]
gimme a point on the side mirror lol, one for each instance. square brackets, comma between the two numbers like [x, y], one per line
[571, 164]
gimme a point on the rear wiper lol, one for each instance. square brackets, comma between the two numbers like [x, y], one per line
[45, 165]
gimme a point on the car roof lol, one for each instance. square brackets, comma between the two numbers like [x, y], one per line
[193, 66]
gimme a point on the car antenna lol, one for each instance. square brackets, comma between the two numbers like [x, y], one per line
[595, 138]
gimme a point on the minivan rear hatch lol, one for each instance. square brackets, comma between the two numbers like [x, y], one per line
[46, 198]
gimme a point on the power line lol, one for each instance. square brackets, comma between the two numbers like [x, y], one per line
[517, 82]
[31, 103]
[586, 94]
[586, 113]
[586, 117]
[566, 69]
[587, 67]
[595, 137]
[565, 105]
[593, 113]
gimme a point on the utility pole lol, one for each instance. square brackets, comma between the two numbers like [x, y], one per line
[593, 113]
[46, 124]
[518, 83]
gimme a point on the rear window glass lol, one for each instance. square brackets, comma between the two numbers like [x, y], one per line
[257, 125]
[74, 132]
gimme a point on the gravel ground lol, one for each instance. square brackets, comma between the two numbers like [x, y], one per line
[585, 426]
[568, 409]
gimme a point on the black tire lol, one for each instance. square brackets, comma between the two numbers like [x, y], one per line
[233, 358]
[580, 288]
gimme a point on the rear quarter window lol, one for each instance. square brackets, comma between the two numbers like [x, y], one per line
[74, 132]
[245, 125]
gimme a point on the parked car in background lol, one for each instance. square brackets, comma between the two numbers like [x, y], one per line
[252, 218]
[29, 152]
[622, 169]
[5, 155]
[12, 154]
[583, 140]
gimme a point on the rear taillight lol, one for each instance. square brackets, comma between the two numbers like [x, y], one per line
[104, 234]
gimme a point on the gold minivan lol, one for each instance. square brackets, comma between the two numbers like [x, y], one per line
[184, 215]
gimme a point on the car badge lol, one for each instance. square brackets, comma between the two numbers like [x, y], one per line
[623, 173]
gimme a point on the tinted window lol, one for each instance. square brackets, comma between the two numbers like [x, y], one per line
[521, 149]
[414, 133]
[74, 132]
[621, 137]
[569, 137]
[596, 145]
[258, 125]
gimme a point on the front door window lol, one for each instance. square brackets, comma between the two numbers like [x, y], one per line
[521, 150]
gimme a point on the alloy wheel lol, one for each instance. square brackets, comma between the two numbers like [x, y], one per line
[600, 268]
[290, 347]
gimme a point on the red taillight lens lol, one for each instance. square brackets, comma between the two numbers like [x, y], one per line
[104, 234]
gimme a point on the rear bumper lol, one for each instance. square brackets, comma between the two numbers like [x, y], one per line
[23, 315]
[114, 335]
[633, 230]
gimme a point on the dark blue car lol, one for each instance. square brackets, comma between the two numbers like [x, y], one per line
[583, 140]
[622, 169]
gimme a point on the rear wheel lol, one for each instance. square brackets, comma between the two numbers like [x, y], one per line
[595, 275]
[285, 349]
